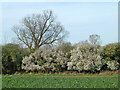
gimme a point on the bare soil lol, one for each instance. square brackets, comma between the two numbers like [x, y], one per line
[69, 74]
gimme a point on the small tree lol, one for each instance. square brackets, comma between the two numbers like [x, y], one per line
[112, 56]
[12, 58]
[95, 39]
[38, 30]
[0, 59]
[86, 57]
[66, 47]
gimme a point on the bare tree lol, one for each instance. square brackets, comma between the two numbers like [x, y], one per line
[39, 30]
[95, 39]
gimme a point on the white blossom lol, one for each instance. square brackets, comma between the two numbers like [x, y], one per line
[54, 59]
[86, 57]
[112, 65]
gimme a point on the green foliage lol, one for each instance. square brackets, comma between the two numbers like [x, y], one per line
[12, 58]
[59, 82]
[112, 53]
[66, 47]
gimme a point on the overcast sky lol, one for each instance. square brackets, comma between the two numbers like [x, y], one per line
[80, 19]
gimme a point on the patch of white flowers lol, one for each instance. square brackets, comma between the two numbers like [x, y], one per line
[54, 60]
[112, 65]
[86, 57]
[28, 64]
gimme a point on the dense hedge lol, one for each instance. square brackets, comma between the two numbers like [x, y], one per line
[112, 56]
[86, 57]
[52, 60]
[81, 57]
[12, 58]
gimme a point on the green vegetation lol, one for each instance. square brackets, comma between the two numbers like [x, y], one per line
[40, 34]
[12, 58]
[112, 52]
[112, 56]
[37, 81]
[66, 48]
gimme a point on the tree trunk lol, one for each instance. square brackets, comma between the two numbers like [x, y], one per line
[36, 46]
[30, 49]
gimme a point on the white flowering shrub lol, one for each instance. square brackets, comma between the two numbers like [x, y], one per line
[52, 60]
[112, 65]
[83, 57]
[112, 56]
[29, 64]
[86, 57]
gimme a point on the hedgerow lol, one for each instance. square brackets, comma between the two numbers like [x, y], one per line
[52, 60]
[86, 57]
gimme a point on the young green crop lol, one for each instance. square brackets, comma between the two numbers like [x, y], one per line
[59, 82]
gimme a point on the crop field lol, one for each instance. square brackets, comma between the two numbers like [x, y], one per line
[60, 81]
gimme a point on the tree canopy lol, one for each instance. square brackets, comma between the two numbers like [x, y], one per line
[39, 29]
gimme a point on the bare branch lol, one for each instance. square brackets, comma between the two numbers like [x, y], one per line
[39, 29]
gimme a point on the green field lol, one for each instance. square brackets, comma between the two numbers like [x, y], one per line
[60, 81]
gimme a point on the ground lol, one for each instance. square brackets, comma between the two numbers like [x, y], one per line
[60, 81]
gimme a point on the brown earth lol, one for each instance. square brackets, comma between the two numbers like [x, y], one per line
[101, 74]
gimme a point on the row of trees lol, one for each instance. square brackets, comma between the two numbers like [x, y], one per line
[80, 57]
[39, 32]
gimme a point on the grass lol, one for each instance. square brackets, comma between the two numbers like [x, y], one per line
[60, 81]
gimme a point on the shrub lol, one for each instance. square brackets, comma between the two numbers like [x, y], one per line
[0, 59]
[52, 60]
[12, 58]
[112, 56]
[112, 65]
[66, 47]
[86, 57]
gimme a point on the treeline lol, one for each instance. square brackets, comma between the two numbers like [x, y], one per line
[39, 30]
[81, 57]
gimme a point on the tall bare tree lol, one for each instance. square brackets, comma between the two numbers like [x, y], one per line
[39, 29]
